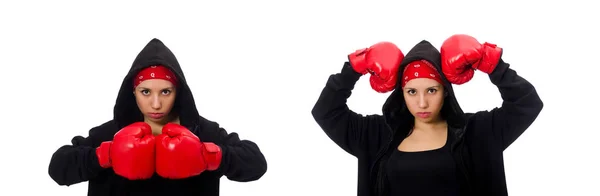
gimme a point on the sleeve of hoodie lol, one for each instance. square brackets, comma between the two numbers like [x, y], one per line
[353, 132]
[242, 160]
[520, 107]
[75, 163]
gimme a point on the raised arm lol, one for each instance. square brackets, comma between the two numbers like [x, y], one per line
[461, 55]
[353, 132]
[520, 107]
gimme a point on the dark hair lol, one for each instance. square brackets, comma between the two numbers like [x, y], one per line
[177, 104]
[446, 110]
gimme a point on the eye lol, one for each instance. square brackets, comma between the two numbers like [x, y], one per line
[431, 91]
[166, 92]
[411, 92]
[145, 92]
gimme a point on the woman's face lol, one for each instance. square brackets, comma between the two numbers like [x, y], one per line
[424, 98]
[155, 99]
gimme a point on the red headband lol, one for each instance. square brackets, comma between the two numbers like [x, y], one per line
[155, 72]
[420, 69]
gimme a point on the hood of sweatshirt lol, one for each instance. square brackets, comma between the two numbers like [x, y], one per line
[155, 52]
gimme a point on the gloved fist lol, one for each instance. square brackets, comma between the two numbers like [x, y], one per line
[181, 154]
[382, 60]
[462, 54]
[130, 153]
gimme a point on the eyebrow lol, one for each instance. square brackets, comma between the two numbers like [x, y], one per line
[145, 88]
[436, 86]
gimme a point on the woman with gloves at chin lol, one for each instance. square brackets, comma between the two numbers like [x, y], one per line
[423, 143]
[156, 143]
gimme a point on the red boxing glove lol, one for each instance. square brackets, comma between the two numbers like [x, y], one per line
[462, 54]
[130, 153]
[382, 60]
[180, 154]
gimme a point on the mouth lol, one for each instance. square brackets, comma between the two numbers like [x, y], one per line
[156, 115]
[424, 114]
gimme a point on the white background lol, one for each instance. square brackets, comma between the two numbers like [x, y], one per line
[257, 68]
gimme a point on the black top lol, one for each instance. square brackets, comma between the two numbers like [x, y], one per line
[479, 140]
[431, 172]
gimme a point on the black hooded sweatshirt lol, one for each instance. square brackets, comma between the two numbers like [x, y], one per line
[479, 138]
[71, 164]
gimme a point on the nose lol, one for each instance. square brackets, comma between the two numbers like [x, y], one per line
[423, 104]
[155, 103]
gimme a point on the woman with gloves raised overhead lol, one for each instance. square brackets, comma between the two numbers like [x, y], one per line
[157, 143]
[423, 143]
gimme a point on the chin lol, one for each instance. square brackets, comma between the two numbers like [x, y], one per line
[425, 120]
